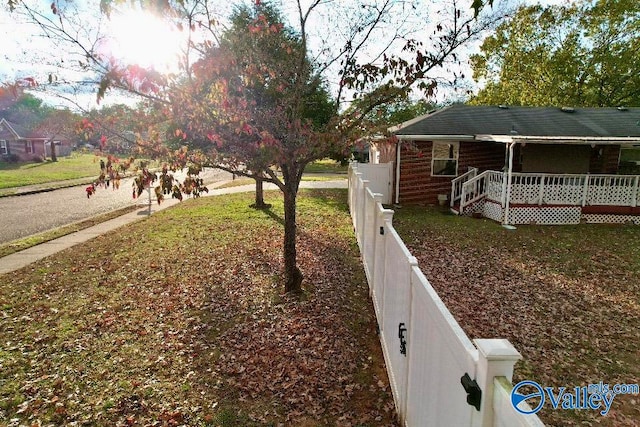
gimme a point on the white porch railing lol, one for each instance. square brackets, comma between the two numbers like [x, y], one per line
[554, 189]
[456, 184]
[426, 352]
[488, 183]
[574, 190]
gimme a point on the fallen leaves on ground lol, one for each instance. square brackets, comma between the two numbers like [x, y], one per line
[567, 298]
[180, 319]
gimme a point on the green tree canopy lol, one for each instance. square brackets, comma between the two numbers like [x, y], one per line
[579, 55]
[23, 108]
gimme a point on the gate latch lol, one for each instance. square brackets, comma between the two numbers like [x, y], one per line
[474, 393]
[402, 330]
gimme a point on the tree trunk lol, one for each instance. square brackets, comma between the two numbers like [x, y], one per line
[260, 204]
[293, 275]
[54, 157]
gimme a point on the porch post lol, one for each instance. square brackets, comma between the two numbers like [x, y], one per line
[453, 193]
[503, 196]
[634, 198]
[508, 192]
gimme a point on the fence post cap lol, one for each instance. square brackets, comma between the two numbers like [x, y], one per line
[497, 349]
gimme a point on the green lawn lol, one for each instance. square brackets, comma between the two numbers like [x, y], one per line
[320, 177]
[87, 166]
[326, 166]
[30, 173]
[567, 297]
[179, 319]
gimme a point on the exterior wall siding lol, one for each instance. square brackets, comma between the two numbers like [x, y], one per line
[556, 159]
[418, 187]
[19, 148]
[607, 163]
[17, 145]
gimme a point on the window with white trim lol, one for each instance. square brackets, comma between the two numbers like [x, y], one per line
[444, 158]
[4, 149]
[28, 147]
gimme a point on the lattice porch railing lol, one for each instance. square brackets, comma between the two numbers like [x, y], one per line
[613, 190]
[574, 190]
[549, 193]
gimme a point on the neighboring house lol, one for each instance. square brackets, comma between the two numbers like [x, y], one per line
[27, 145]
[518, 165]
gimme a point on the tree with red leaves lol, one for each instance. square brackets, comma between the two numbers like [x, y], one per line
[253, 101]
[255, 105]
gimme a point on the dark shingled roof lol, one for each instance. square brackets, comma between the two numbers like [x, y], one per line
[23, 132]
[526, 121]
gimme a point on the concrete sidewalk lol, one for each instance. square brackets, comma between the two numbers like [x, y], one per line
[23, 258]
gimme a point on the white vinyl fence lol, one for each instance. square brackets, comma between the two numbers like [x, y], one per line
[438, 376]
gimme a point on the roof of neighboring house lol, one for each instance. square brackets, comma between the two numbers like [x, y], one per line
[474, 120]
[20, 131]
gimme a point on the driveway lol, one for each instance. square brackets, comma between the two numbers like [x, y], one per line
[25, 215]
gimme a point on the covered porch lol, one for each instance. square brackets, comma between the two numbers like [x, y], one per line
[538, 197]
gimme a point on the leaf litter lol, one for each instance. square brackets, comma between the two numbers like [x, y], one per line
[180, 319]
[567, 298]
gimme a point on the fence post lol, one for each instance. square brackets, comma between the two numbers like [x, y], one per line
[363, 215]
[371, 262]
[357, 210]
[496, 358]
[350, 172]
[385, 218]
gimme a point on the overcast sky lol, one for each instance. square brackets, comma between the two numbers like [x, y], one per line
[24, 52]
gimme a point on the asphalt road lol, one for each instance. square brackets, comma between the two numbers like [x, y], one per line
[25, 215]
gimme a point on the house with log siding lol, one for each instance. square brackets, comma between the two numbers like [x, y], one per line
[517, 165]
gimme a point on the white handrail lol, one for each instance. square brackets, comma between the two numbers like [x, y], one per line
[456, 184]
[474, 189]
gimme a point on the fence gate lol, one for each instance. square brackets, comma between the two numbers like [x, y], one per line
[380, 177]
